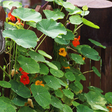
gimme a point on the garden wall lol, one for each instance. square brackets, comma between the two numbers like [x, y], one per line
[104, 66]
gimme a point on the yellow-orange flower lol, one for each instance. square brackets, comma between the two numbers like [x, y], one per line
[67, 67]
[83, 58]
[62, 52]
[110, 109]
[39, 83]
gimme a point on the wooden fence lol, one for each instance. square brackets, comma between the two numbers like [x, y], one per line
[104, 66]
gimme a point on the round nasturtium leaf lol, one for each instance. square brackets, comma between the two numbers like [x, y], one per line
[5, 84]
[43, 69]
[58, 93]
[96, 43]
[90, 53]
[5, 107]
[51, 28]
[61, 82]
[83, 108]
[36, 56]
[52, 82]
[24, 38]
[57, 73]
[55, 14]
[19, 101]
[68, 93]
[56, 102]
[41, 95]
[79, 85]
[70, 76]
[26, 109]
[20, 89]
[68, 6]
[77, 58]
[75, 19]
[28, 64]
[96, 71]
[27, 14]
[108, 97]
[75, 11]
[10, 4]
[67, 108]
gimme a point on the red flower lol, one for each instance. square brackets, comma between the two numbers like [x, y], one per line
[22, 71]
[76, 42]
[11, 17]
[24, 79]
[19, 22]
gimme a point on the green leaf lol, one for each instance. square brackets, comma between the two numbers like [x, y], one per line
[61, 82]
[57, 73]
[79, 85]
[20, 89]
[32, 24]
[70, 76]
[75, 11]
[5, 84]
[84, 13]
[77, 58]
[75, 103]
[25, 109]
[96, 71]
[28, 65]
[8, 26]
[96, 100]
[19, 101]
[41, 95]
[90, 53]
[65, 39]
[89, 23]
[44, 54]
[36, 56]
[24, 38]
[10, 4]
[51, 65]
[27, 14]
[83, 108]
[66, 108]
[5, 107]
[57, 63]
[75, 19]
[58, 93]
[68, 6]
[52, 82]
[97, 43]
[56, 103]
[68, 93]
[48, 25]
[95, 89]
[43, 69]
[108, 97]
[55, 14]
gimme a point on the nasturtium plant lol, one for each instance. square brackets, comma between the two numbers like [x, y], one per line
[42, 81]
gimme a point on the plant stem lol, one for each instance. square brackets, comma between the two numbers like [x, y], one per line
[61, 9]
[87, 71]
[77, 28]
[40, 43]
[5, 72]
[68, 47]
[41, 36]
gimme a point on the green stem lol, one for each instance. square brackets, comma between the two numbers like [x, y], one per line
[40, 43]
[40, 37]
[15, 58]
[61, 9]
[87, 71]
[71, 49]
[5, 72]
[77, 28]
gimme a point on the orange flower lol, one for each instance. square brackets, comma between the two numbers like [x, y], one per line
[19, 22]
[83, 58]
[39, 83]
[62, 52]
[109, 107]
[67, 67]
[76, 42]
[11, 17]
